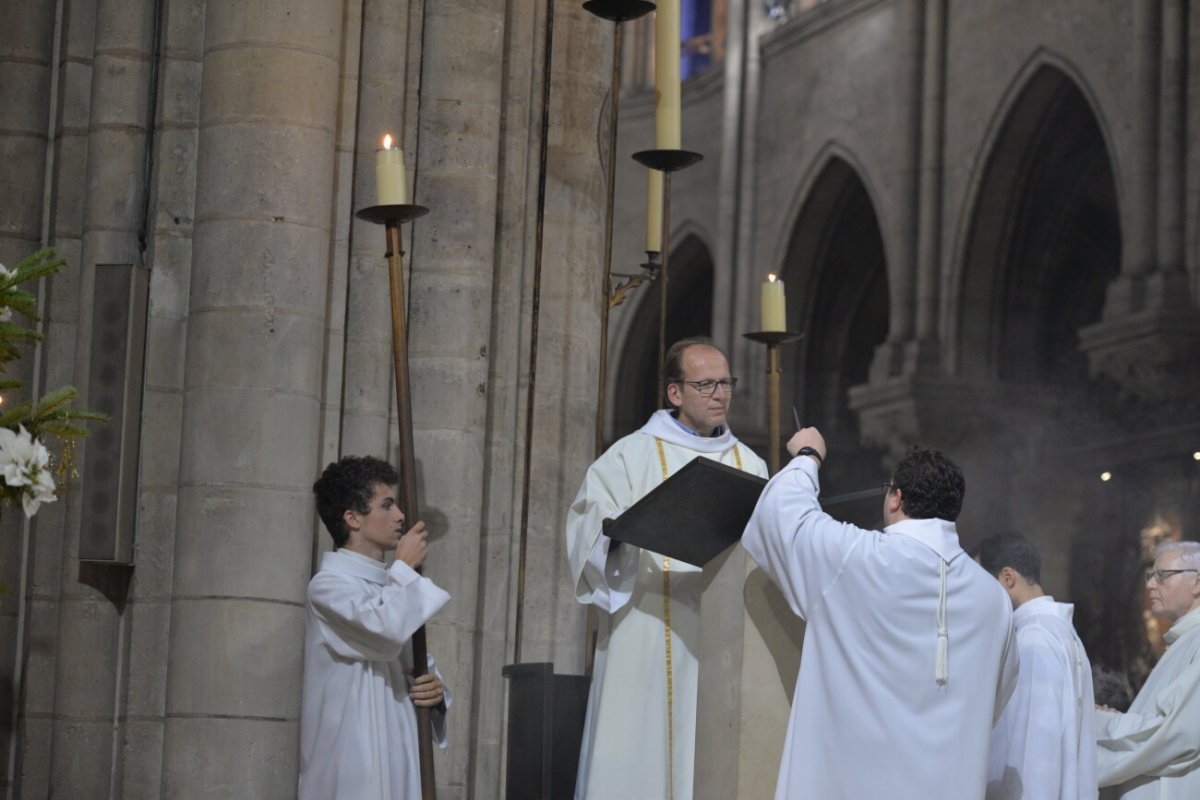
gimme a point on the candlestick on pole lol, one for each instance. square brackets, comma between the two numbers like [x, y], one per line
[616, 11]
[773, 339]
[392, 216]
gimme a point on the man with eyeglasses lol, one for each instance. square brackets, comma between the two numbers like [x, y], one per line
[908, 655]
[640, 732]
[1043, 745]
[1153, 749]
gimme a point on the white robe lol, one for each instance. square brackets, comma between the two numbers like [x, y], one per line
[358, 727]
[624, 750]
[1044, 746]
[1153, 750]
[869, 718]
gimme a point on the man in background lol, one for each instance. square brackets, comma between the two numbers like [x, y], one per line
[1152, 751]
[1043, 745]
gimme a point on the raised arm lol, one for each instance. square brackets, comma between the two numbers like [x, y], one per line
[360, 626]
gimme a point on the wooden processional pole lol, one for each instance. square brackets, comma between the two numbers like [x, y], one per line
[392, 216]
[408, 484]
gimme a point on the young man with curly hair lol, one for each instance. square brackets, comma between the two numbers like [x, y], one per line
[358, 728]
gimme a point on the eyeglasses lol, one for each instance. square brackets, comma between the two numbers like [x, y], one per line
[889, 487]
[708, 388]
[1161, 575]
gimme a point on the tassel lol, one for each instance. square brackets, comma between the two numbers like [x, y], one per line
[942, 671]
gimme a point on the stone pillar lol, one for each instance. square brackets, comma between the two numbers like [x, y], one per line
[906, 384]
[1149, 336]
[452, 260]
[568, 355]
[89, 676]
[898, 354]
[48, 541]
[508, 356]
[933, 120]
[148, 611]
[26, 50]
[252, 405]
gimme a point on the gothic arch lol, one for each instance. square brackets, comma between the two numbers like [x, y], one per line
[1043, 239]
[689, 313]
[835, 269]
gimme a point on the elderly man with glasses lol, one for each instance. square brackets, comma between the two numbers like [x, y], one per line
[908, 652]
[1153, 750]
[639, 737]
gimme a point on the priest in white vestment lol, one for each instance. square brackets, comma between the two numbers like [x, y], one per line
[358, 727]
[908, 655]
[1152, 751]
[636, 745]
[1043, 745]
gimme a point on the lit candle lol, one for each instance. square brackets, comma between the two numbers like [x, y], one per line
[390, 189]
[774, 305]
[667, 61]
[654, 204]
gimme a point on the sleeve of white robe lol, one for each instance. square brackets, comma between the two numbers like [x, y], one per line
[1034, 722]
[603, 576]
[365, 628]
[798, 545]
[1165, 743]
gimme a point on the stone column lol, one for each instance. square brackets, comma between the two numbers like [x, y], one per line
[895, 357]
[48, 541]
[252, 404]
[933, 119]
[89, 676]
[26, 51]
[1150, 332]
[148, 611]
[452, 260]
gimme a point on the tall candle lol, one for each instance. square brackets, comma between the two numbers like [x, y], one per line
[774, 305]
[390, 189]
[654, 206]
[667, 61]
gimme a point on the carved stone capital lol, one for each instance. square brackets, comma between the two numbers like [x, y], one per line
[1152, 356]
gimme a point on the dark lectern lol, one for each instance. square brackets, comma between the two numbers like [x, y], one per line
[545, 729]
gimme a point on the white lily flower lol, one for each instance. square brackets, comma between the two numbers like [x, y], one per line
[21, 457]
[40, 491]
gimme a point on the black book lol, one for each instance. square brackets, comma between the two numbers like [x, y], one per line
[694, 515]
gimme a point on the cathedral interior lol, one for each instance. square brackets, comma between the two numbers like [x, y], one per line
[986, 216]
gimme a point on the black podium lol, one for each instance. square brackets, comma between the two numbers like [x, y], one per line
[545, 729]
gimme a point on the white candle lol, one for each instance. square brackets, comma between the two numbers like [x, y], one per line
[654, 205]
[667, 62]
[390, 189]
[774, 305]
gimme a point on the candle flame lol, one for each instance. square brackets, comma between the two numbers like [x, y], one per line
[771, 277]
[387, 141]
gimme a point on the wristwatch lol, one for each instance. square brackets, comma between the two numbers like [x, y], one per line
[810, 451]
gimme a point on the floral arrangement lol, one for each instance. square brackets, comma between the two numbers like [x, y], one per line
[26, 475]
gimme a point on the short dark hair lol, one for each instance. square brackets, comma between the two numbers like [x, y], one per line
[349, 483]
[1010, 550]
[673, 360]
[931, 485]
